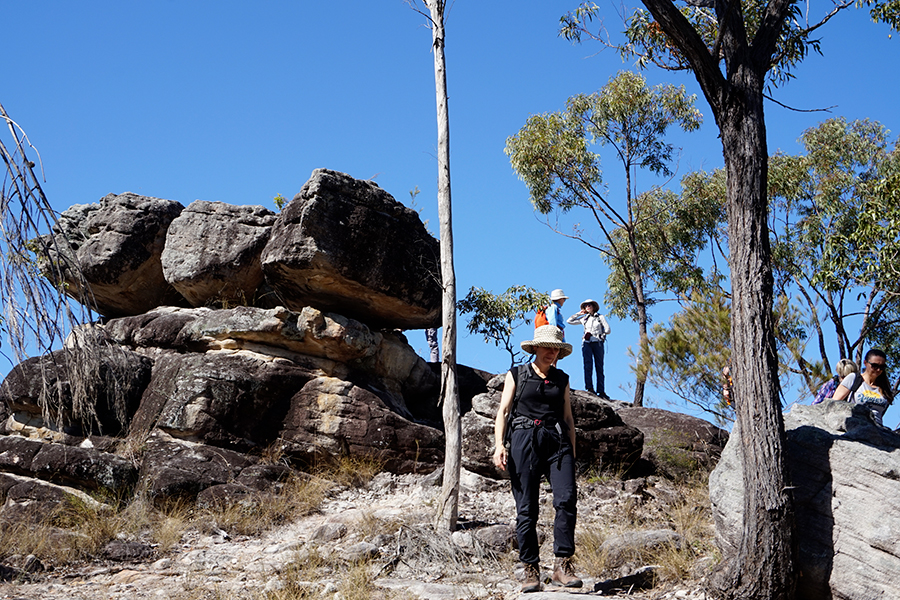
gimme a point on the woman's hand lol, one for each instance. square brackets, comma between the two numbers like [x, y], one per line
[500, 458]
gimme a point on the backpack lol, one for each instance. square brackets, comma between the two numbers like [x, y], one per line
[827, 389]
[540, 317]
[521, 377]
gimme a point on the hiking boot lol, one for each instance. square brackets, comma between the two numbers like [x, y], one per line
[532, 582]
[564, 573]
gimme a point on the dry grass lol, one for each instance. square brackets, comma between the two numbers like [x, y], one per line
[689, 515]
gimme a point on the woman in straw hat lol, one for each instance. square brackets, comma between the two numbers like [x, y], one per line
[541, 441]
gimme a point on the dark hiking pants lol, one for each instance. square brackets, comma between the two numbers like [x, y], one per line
[535, 452]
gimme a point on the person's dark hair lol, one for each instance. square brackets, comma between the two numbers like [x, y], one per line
[882, 380]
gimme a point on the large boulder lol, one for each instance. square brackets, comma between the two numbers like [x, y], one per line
[346, 246]
[844, 475]
[674, 443]
[117, 244]
[227, 400]
[602, 438]
[212, 252]
[111, 377]
[331, 418]
[173, 468]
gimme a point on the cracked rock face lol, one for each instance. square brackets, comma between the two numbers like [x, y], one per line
[846, 489]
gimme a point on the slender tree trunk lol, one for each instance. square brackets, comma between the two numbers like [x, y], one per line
[764, 566]
[448, 507]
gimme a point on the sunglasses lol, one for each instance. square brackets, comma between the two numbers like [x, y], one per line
[878, 366]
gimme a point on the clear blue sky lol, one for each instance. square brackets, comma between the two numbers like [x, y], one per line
[237, 102]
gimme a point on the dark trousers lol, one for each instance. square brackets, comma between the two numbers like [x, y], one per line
[593, 353]
[535, 452]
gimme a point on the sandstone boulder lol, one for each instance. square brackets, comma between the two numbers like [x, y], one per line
[844, 472]
[115, 376]
[212, 252]
[173, 468]
[225, 400]
[346, 246]
[117, 244]
[674, 443]
[330, 417]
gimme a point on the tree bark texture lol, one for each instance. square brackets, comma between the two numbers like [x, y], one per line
[448, 506]
[764, 567]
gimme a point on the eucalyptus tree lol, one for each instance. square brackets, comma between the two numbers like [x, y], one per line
[835, 238]
[553, 155]
[448, 506]
[735, 50]
[495, 316]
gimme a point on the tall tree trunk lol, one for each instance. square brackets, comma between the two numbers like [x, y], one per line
[764, 565]
[448, 506]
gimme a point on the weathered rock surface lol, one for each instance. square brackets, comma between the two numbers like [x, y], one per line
[844, 472]
[675, 443]
[118, 244]
[331, 417]
[346, 246]
[117, 378]
[212, 252]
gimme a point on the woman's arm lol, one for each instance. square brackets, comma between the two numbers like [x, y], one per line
[575, 319]
[509, 391]
[841, 393]
[569, 419]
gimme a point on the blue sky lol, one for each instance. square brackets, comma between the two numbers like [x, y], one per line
[237, 102]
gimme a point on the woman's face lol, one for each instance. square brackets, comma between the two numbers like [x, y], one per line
[590, 308]
[546, 355]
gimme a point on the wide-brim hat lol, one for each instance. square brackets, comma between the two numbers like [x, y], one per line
[589, 301]
[548, 336]
[558, 295]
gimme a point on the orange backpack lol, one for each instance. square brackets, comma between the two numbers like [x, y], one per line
[540, 317]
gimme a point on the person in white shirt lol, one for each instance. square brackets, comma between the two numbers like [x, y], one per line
[595, 331]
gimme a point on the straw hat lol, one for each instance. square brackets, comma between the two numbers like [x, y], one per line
[558, 295]
[548, 336]
[589, 301]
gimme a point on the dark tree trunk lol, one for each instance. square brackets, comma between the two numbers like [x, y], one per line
[764, 567]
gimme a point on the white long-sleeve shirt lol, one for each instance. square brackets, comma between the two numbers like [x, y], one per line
[595, 324]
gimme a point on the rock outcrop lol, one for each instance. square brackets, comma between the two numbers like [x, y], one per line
[846, 488]
[284, 340]
[346, 246]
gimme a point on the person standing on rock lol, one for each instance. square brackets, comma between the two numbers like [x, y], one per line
[535, 419]
[554, 311]
[595, 331]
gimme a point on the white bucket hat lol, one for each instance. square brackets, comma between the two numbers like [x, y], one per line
[558, 295]
[589, 301]
[548, 336]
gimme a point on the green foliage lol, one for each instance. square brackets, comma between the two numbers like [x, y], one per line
[647, 41]
[496, 316]
[687, 357]
[279, 201]
[553, 155]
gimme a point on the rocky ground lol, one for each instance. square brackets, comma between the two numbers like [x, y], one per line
[384, 526]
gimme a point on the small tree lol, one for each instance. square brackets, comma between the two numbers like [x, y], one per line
[552, 154]
[496, 316]
[448, 507]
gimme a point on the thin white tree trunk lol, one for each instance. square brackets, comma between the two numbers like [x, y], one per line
[448, 506]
